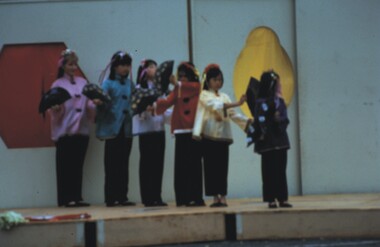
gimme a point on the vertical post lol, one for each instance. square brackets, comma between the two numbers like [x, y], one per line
[90, 234]
[299, 158]
[190, 30]
[230, 227]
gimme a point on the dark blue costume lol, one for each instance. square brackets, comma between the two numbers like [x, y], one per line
[268, 132]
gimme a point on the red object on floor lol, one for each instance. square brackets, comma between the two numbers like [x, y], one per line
[51, 218]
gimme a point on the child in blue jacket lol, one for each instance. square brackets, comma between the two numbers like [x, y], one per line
[114, 125]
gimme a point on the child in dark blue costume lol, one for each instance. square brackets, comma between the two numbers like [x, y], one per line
[271, 139]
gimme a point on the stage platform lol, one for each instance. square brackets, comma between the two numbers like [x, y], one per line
[316, 216]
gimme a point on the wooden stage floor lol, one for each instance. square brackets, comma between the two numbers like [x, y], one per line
[313, 216]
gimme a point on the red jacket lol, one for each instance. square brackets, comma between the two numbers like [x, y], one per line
[184, 97]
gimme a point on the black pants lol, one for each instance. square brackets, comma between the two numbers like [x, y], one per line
[188, 185]
[215, 161]
[116, 164]
[70, 155]
[273, 171]
[152, 153]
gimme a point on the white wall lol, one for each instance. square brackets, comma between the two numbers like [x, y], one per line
[339, 95]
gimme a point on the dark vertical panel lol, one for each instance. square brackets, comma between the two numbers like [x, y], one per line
[190, 30]
[230, 225]
[90, 234]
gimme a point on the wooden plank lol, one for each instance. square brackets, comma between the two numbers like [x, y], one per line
[309, 224]
[44, 235]
[161, 230]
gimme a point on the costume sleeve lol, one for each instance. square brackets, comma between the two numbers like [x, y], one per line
[57, 115]
[103, 108]
[281, 117]
[168, 116]
[211, 103]
[91, 110]
[241, 120]
[163, 104]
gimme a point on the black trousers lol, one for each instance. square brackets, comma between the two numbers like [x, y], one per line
[273, 171]
[152, 153]
[70, 155]
[116, 164]
[215, 161]
[188, 185]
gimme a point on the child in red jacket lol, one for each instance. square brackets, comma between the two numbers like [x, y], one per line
[188, 184]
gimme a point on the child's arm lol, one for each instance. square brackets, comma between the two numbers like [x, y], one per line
[241, 120]
[91, 109]
[243, 98]
[57, 112]
[212, 104]
[162, 104]
[103, 107]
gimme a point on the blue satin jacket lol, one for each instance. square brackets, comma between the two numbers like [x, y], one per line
[112, 117]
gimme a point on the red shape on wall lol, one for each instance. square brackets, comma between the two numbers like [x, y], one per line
[26, 70]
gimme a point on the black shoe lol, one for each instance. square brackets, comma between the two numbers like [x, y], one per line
[285, 205]
[156, 204]
[127, 203]
[82, 204]
[196, 204]
[74, 204]
[216, 205]
[272, 205]
[112, 204]
[71, 204]
[161, 204]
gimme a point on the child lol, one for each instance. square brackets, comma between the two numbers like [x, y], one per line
[271, 139]
[151, 131]
[212, 126]
[114, 125]
[188, 185]
[70, 123]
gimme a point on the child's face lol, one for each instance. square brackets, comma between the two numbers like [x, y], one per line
[70, 67]
[182, 77]
[151, 71]
[122, 70]
[215, 83]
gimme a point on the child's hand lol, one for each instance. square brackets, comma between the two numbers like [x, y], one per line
[150, 109]
[243, 99]
[56, 108]
[173, 80]
[97, 102]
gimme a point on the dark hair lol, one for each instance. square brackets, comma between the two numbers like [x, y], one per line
[66, 55]
[212, 73]
[268, 84]
[141, 73]
[189, 70]
[119, 58]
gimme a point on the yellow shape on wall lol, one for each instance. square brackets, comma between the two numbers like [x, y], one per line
[262, 52]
